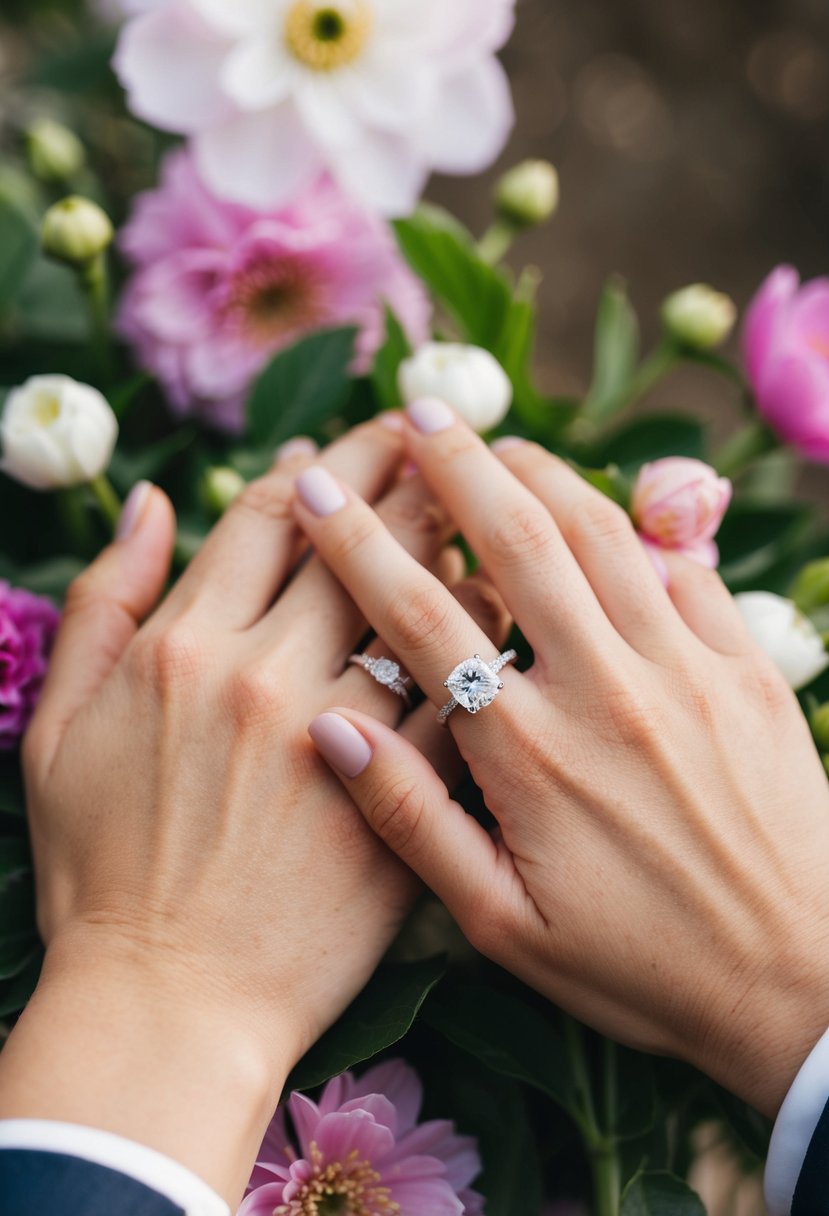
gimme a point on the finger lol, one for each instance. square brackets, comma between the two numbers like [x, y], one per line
[511, 532]
[235, 576]
[601, 537]
[404, 801]
[407, 606]
[706, 605]
[105, 606]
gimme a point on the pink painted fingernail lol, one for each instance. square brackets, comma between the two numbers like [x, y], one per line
[340, 744]
[319, 491]
[132, 510]
[392, 420]
[301, 446]
[506, 443]
[430, 415]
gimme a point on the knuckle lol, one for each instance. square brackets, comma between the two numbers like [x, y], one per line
[420, 616]
[768, 687]
[358, 530]
[525, 534]
[397, 812]
[270, 497]
[82, 593]
[598, 521]
[169, 659]
[253, 699]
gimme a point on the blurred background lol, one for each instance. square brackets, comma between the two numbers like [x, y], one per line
[691, 136]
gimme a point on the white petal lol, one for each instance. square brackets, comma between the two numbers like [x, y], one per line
[469, 120]
[385, 88]
[237, 16]
[259, 73]
[262, 160]
[326, 114]
[383, 173]
[169, 62]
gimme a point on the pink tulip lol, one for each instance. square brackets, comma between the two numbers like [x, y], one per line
[679, 503]
[786, 354]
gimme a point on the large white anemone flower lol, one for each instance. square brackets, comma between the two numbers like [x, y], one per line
[377, 92]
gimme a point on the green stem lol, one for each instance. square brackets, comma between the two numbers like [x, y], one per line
[75, 518]
[94, 279]
[607, 1179]
[744, 448]
[107, 499]
[602, 1145]
[651, 371]
[496, 242]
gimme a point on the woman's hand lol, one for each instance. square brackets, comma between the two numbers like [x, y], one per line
[660, 863]
[209, 897]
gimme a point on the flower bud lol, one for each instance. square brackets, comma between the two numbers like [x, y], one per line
[54, 152]
[528, 194]
[56, 432]
[811, 587]
[76, 231]
[220, 487]
[679, 503]
[787, 637]
[467, 378]
[699, 317]
[819, 721]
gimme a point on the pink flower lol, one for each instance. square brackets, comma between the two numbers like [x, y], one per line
[786, 354]
[376, 93]
[679, 503]
[27, 630]
[361, 1151]
[219, 288]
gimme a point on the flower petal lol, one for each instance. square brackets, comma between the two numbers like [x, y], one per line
[468, 121]
[258, 73]
[766, 318]
[400, 1084]
[338, 1135]
[261, 160]
[383, 172]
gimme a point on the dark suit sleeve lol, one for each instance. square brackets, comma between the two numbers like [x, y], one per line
[811, 1195]
[33, 1183]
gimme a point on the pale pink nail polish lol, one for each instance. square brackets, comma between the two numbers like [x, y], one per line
[392, 420]
[301, 446]
[507, 443]
[430, 415]
[340, 744]
[319, 491]
[132, 510]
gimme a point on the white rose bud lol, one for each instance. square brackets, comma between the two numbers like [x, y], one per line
[76, 231]
[54, 152]
[699, 317]
[56, 432]
[220, 488]
[467, 378]
[528, 194]
[788, 638]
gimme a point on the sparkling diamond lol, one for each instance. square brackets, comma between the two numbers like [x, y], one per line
[473, 684]
[386, 672]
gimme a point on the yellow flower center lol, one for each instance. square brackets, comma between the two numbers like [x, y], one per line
[46, 409]
[328, 36]
[342, 1188]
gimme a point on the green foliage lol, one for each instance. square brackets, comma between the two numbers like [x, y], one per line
[616, 350]
[660, 1194]
[301, 387]
[387, 362]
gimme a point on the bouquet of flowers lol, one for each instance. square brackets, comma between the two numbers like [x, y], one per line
[227, 249]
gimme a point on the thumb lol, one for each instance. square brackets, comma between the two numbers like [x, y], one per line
[405, 802]
[103, 609]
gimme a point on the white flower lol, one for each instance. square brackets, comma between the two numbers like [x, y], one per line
[788, 638]
[699, 316]
[274, 92]
[529, 193]
[468, 378]
[56, 432]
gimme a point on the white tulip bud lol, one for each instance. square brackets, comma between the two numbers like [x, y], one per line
[467, 378]
[54, 152]
[56, 432]
[76, 231]
[699, 317]
[528, 194]
[788, 638]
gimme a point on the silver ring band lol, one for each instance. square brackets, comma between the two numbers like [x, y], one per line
[474, 685]
[385, 672]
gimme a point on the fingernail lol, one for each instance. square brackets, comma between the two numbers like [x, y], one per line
[430, 415]
[392, 420]
[340, 744]
[506, 443]
[319, 491]
[301, 446]
[132, 510]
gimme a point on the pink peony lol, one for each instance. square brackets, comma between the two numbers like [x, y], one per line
[27, 630]
[679, 503]
[218, 288]
[786, 354]
[376, 93]
[361, 1151]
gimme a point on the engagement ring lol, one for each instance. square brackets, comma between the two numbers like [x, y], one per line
[387, 673]
[474, 684]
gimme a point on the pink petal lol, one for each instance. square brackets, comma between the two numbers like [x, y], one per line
[262, 1201]
[305, 1116]
[766, 318]
[795, 400]
[376, 1105]
[400, 1084]
[339, 1134]
[422, 1195]
[438, 1139]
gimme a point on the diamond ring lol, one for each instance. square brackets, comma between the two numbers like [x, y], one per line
[474, 684]
[387, 673]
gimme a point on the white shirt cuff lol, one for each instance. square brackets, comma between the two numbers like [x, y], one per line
[796, 1123]
[161, 1174]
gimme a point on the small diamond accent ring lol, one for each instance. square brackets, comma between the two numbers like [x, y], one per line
[474, 684]
[387, 673]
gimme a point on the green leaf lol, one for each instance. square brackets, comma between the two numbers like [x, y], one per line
[615, 353]
[15, 994]
[753, 539]
[302, 387]
[12, 796]
[50, 578]
[660, 1194]
[51, 306]
[381, 1015]
[508, 1036]
[16, 954]
[17, 907]
[150, 461]
[15, 859]
[18, 249]
[658, 435]
[391, 354]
